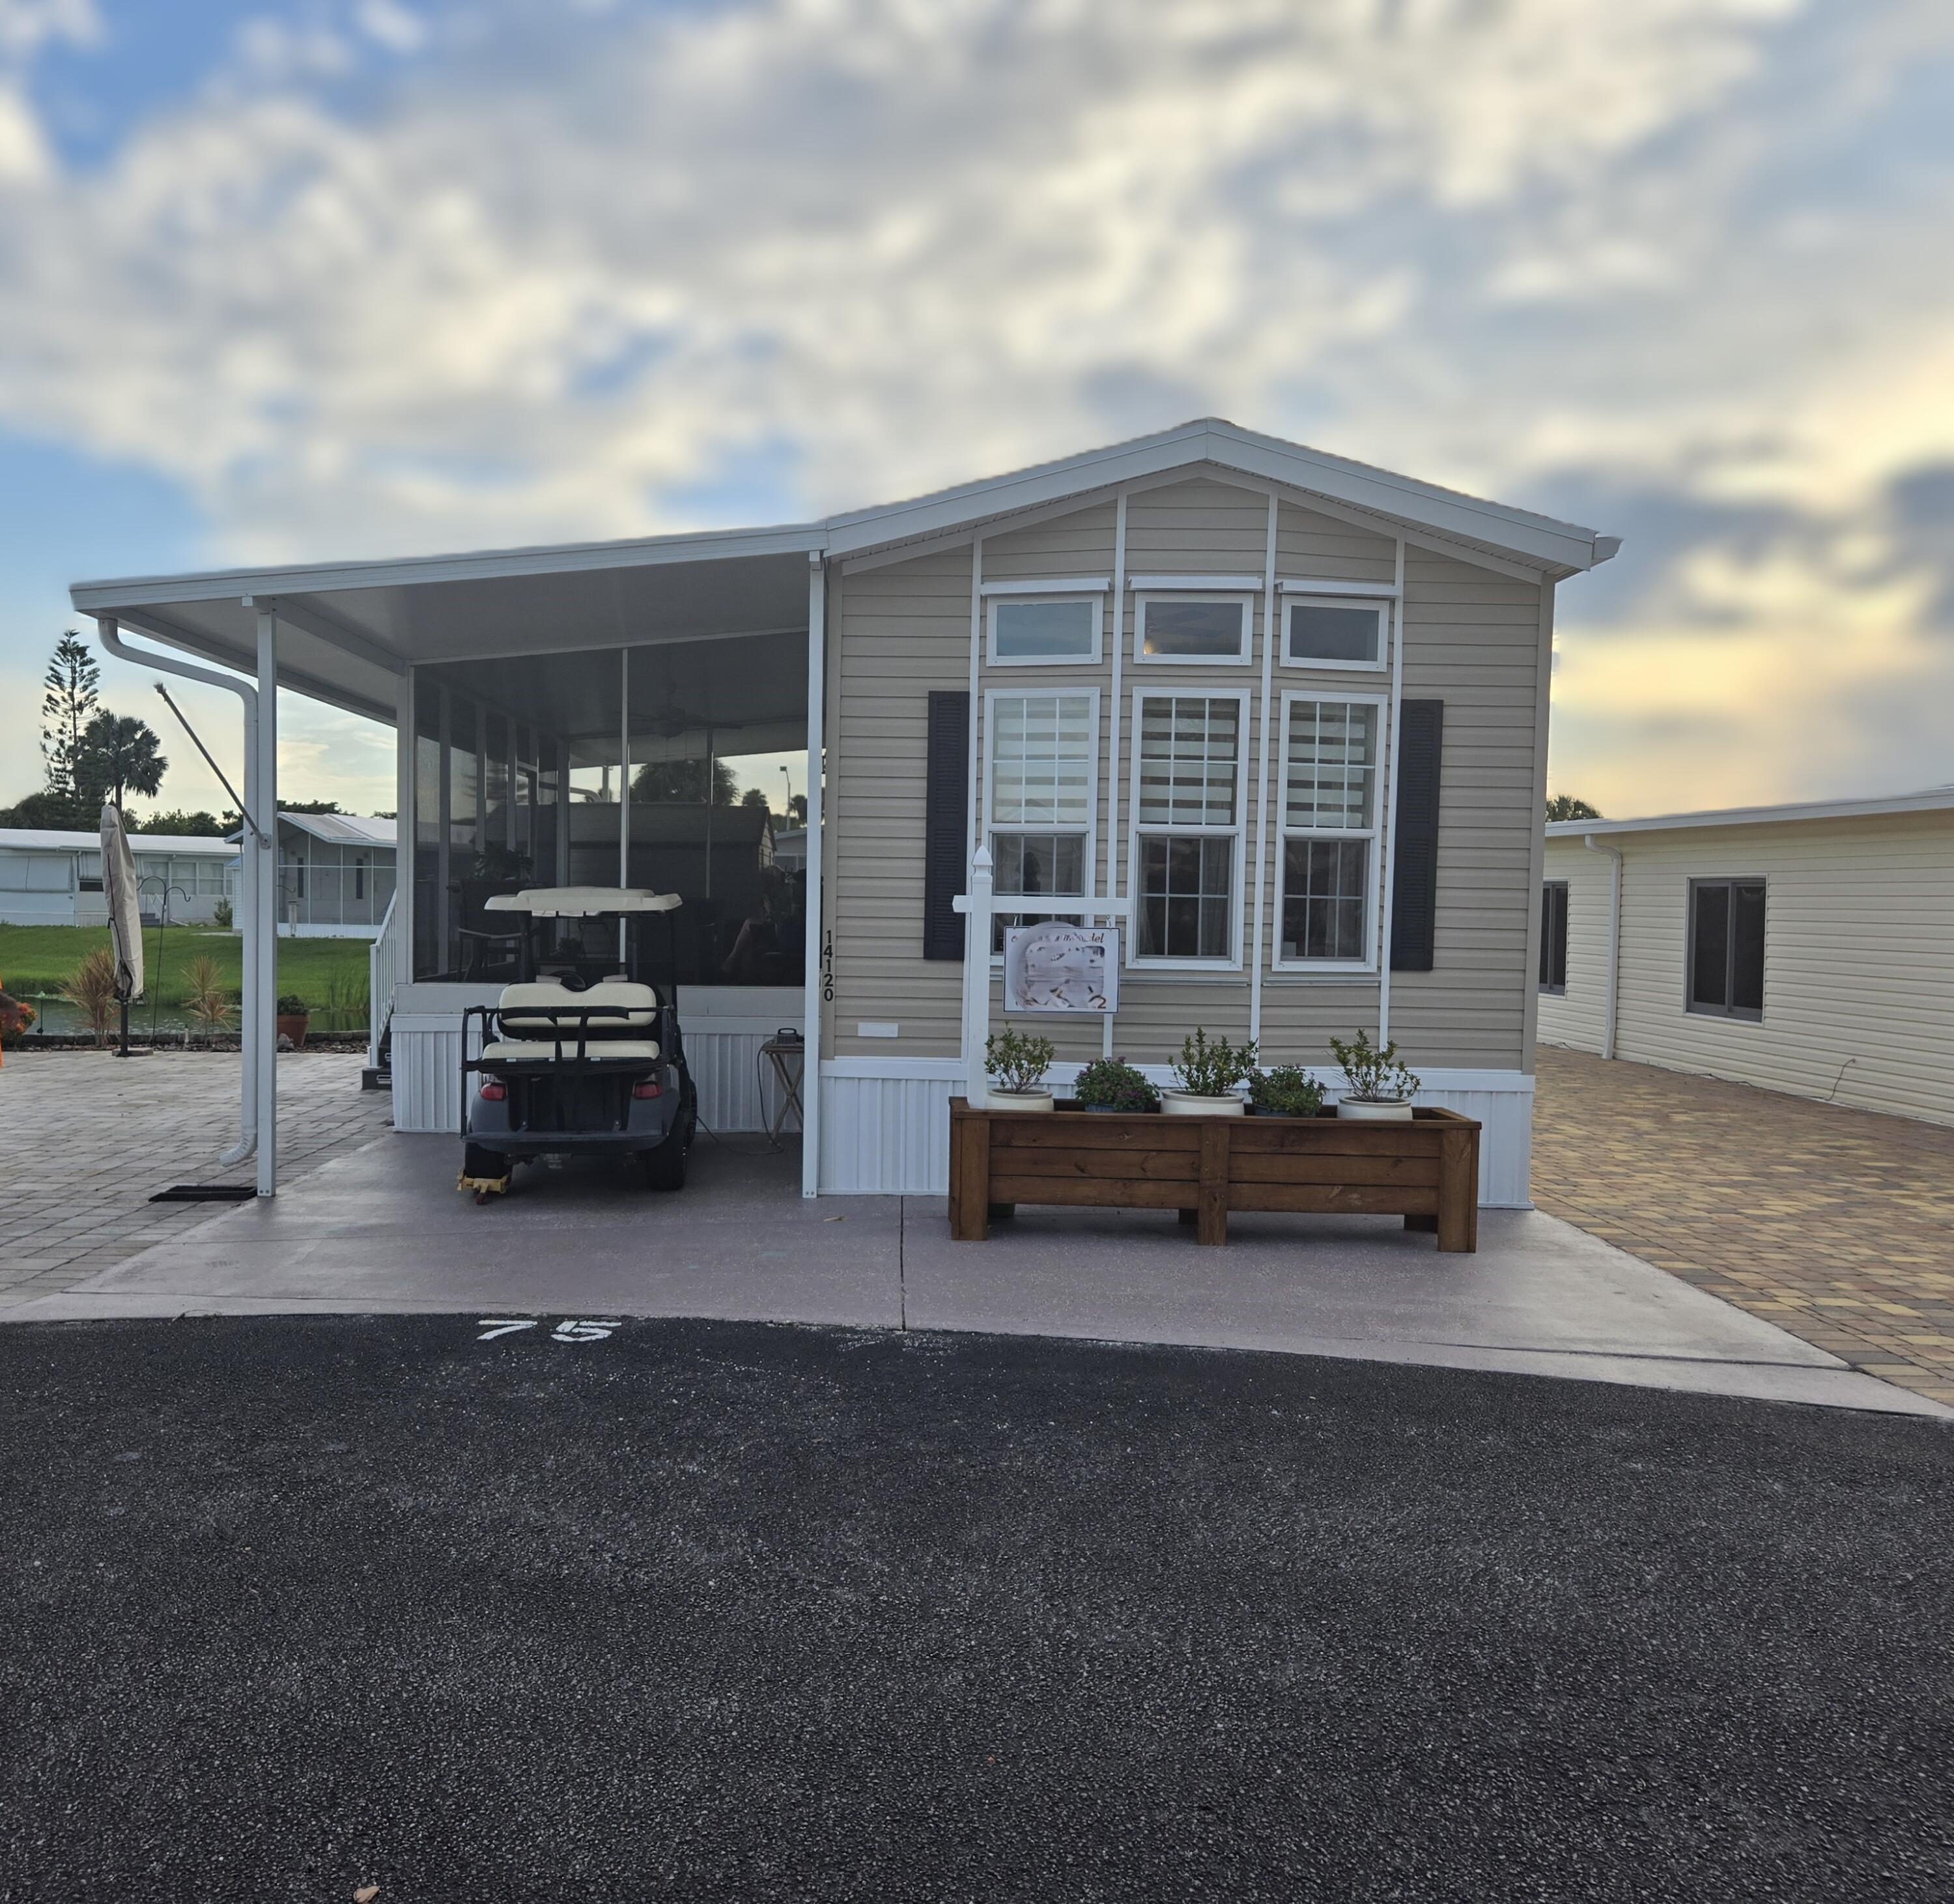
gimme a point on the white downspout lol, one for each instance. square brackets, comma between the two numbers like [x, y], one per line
[250, 1030]
[816, 712]
[1614, 938]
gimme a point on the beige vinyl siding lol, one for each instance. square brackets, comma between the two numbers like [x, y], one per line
[1858, 958]
[1472, 639]
[895, 634]
[1578, 1018]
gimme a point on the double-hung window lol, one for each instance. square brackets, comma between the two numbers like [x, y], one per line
[1189, 752]
[1553, 936]
[1726, 948]
[1041, 795]
[1326, 909]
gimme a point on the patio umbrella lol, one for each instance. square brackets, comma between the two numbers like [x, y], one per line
[125, 911]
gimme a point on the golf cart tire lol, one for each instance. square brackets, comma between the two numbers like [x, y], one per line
[664, 1168]
[485, 1171]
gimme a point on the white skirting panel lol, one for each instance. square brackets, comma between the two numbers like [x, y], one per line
[885, 1125]
[737, 1090]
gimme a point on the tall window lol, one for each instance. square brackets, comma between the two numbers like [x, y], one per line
[1726, 948]
[1188, 752]
[1553, 936]
[1043, 759]
[1329, 815]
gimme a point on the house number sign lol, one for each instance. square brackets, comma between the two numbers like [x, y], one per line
[1061, 966]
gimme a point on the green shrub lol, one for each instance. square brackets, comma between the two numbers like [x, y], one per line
[1112, 1085]
[1287, 1090]
[1018, 1060]
[1213, 1067]
[221, 915]
[1375, 1076]
[290, 1005]
[90, 988]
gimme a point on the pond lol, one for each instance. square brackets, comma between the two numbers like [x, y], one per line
[59, 1019]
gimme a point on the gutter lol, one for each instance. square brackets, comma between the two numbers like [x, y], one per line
[1614, 938]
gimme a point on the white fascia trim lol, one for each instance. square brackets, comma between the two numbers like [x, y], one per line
[1065, 585]
[1934, 800]
[1196, 585]
[1320, 585]
[716, 545]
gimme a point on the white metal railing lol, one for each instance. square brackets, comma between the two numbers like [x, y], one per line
[383, 968]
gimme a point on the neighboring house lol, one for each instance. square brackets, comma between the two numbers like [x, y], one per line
[55, 879]
[1808, 948]
[335, 874]
[1293, 705]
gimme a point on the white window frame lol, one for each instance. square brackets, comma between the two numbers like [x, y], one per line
[1243, 599]
[1380, 818]
[1137, 830]
[1326, 598]
[1096, 588]
[992, 827]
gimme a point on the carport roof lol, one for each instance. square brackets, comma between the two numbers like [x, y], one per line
[349, 629]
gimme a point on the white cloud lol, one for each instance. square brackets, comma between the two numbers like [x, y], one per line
[553, 281]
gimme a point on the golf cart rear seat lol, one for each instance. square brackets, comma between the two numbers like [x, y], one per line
[550, 1024]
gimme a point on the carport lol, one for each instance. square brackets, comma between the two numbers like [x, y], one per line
[546, 690]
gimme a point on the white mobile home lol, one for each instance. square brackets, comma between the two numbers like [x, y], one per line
[54, 878]
[1806, 948]
[1292, 709]
[335, 875]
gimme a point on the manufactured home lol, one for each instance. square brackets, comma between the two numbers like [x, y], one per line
[51, 877]
[1808, 948]
[335, 875]
[1286, 713]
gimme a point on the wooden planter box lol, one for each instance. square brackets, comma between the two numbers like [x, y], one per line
[1426, 1171]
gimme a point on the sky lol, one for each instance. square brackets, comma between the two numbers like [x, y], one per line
[352, 277]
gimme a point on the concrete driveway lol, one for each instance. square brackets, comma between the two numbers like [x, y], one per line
[382, 1230]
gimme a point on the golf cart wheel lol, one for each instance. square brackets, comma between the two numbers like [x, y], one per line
[664, 1168]
[486, 1172]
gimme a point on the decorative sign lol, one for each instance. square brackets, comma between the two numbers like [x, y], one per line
[1062, 966]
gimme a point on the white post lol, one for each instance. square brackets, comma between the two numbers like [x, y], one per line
[407, 830]
[263, 994]
[976, 910]
[810, 1096]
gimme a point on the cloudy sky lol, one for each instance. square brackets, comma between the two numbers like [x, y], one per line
[359, 277]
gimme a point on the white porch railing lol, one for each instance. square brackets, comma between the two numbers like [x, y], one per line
[384, 969]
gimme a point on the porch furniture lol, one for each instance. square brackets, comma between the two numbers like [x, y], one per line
[1426, 1171]
[788, 1056]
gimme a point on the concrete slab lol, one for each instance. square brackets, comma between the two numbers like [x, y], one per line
[383, 1230]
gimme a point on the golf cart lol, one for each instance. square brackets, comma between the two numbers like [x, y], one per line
[582, 1054]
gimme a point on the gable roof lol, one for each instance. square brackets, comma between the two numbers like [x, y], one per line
[348, 630]
[342, 829]
[1931, 800]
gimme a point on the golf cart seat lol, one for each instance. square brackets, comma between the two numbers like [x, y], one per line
[546, 1008]
[597, 1050]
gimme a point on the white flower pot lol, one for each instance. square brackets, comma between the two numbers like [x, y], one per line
[1186, 1104]
[1375, 1111]
[996, 1100]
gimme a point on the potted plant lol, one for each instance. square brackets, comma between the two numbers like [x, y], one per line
[1380, 1086]
[294, 1015]
[1112, 1085]
[1209, 1070]
[1286, 1090]
[1019, 1061]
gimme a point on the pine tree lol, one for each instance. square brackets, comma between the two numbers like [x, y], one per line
[70, 703]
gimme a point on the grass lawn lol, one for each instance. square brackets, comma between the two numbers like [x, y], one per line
[330, 974]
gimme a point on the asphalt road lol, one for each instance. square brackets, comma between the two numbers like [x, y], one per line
[714, 1612]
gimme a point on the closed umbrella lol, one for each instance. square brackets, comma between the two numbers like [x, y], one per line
[125, 911]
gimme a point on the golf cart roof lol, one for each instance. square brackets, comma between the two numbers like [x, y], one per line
[581, 902]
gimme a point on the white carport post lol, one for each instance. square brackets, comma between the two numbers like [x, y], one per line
[815, 965]
[261, 943]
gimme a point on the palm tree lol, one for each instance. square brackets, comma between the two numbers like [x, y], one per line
[122, 754]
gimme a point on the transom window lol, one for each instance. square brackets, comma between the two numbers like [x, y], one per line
[1326, 872]
[1318, 632]
[1726, 948]
[1044, 761]
[1188, 756]
[1045, 628]
[1192, 628]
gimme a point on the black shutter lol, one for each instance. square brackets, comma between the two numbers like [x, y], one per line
[1414, 876]
[946, 826]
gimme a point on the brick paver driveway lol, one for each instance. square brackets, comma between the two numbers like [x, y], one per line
[1837, 1224]
[90, 1138]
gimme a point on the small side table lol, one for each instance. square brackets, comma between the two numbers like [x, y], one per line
[788, 1056]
